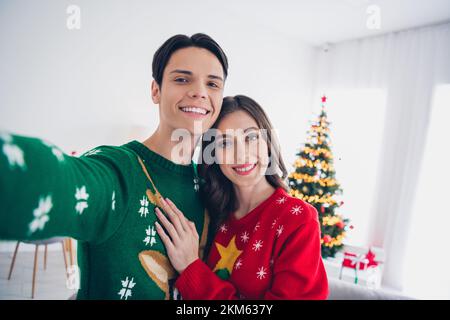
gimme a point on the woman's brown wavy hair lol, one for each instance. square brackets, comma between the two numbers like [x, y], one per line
[217, 191]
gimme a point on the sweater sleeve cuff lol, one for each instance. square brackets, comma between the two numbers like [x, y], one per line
[190, 281]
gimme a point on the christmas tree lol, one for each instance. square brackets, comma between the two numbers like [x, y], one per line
[314, 182]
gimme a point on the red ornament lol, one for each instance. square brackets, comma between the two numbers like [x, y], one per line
[352, 227]
[340, 225]
[73, 153]
[326, 238]
[342, 202]
[324, 99]
[322, 209]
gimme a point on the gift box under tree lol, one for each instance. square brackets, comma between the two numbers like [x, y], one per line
[358, 265]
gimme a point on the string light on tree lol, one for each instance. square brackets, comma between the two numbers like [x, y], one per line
[313, 180]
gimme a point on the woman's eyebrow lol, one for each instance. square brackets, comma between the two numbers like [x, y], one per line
[224, 135]
[251, 128]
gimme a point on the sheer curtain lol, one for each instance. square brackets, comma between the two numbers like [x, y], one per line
[407, 65]
[427, 256]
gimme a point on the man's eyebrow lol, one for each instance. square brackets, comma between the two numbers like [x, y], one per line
[189, 73]
[182, 71]
[211, 76]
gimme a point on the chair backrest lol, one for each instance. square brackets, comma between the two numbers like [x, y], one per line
[45, 241]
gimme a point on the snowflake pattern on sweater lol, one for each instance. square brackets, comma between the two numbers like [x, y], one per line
[102, 199]
[280, 259]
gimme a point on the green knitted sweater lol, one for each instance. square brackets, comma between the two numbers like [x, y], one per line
[105, 200]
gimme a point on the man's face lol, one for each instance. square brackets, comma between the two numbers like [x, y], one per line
[191, 90]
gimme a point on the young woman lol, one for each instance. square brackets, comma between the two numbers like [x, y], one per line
[266, 243]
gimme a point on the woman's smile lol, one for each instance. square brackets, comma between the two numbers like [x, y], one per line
[244, 169]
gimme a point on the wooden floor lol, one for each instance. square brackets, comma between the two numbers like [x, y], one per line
[50, 284]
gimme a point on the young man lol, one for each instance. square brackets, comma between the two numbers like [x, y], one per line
[106, 198]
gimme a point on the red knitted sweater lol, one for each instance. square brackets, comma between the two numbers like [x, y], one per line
[271, 253]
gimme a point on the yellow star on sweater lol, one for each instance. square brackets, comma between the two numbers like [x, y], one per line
[228, 255]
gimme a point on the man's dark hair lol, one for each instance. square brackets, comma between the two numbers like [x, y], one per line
[180, 41]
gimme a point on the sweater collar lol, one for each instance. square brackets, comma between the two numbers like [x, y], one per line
[279, 192]
[150, 156]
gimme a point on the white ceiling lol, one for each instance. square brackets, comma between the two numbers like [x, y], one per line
[320, 21]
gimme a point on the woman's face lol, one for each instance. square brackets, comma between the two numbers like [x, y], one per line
[241, 150]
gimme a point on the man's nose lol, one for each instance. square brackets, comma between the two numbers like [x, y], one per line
[198, 91]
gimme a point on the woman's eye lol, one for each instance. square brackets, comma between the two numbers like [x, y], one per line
[252, 137]
[224, 144]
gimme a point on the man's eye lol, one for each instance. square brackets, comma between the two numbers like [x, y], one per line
[213, 84]
[181, 80]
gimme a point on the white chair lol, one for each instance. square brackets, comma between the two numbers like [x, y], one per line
[45, 242]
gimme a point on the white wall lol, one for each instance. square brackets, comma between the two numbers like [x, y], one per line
[87, 87]
[82, 88]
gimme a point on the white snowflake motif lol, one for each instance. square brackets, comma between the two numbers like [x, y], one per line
[14, 155]
[113, 201]
[6, 137]
[280, 230]
[144, 206]
[281, 200]
[41, 213]
[256, 227]
[245, 236]
[92, 152]
[56, 152]
[257, 245]
[296, 210]
[261, 274]
[238, 264]
[274, 223]
[223, 228]
[151, 236]
[127, 285]
[81, 196]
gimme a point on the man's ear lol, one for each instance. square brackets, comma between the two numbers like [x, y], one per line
[156, 92]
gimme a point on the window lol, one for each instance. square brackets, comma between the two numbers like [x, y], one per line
[426, 268]
[357, 122]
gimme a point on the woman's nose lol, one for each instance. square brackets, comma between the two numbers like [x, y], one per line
[241, 155]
